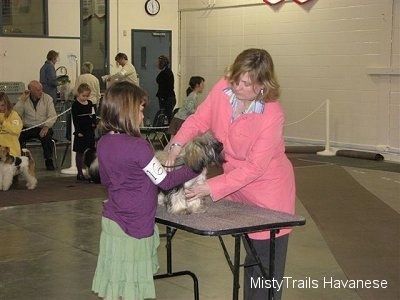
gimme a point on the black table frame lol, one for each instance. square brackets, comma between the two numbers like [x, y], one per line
[228, 224]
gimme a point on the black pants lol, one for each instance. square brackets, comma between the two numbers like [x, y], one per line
[252, 273]
[168, 105]
[46, 141]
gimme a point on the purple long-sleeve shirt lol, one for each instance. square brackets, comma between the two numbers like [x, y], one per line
[132, 196]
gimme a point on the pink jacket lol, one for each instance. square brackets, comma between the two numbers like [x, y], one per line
[257, 170]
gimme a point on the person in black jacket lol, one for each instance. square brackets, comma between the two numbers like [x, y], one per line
[84, 118]
[165, 81]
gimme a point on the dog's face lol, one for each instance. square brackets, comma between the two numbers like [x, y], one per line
[4, 154]
[204, 151]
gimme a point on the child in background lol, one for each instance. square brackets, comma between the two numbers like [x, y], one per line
[196, 86]
[10, 126]
[84, 118]
[132, 175]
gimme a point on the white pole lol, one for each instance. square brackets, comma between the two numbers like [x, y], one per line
[328, 151]
[72, 169]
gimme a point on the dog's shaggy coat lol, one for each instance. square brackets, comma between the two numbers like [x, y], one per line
[199, 154]
[10, 166]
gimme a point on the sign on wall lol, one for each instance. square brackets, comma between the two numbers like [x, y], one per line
[273, 2]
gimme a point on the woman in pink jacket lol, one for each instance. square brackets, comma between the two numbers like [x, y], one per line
[243, 112]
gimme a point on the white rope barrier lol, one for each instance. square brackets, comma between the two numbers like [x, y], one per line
[328, 151]
[309, 115]
[49, 119]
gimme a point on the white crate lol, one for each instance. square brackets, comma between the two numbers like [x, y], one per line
[13, 89]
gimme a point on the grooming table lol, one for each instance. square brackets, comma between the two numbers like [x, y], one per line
[227, 218]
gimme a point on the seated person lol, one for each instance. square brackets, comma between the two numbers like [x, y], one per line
[196, 86]
[10, 126]
[38, 114]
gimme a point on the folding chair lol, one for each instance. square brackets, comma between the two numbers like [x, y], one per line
[157, 134]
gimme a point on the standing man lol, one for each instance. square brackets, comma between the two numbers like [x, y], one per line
[126, 73]
[38, 114]
[165, 81]
[48, 76]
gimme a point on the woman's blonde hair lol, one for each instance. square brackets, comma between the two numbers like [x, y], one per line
[260, 67]
[4, 98]
[120, 108]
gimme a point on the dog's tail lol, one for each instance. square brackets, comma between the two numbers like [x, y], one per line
[89, 157]
[27, 153]
[92, 165]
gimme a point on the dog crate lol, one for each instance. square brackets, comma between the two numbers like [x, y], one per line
[13, 89]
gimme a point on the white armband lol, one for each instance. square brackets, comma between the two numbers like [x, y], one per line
[155, 171]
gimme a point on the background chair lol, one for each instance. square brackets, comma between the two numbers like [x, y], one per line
[157, 134]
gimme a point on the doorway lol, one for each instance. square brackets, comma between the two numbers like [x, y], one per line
[147, 46]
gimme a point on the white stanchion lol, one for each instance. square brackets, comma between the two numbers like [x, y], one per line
[328, 150]
[72, 169]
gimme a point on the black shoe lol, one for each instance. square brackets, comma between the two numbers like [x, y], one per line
[80, 177]
[49, 165]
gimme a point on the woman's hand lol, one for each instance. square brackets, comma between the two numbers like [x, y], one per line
[197, 191]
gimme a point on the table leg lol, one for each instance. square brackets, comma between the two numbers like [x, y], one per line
[236, 268]
[272, 261]
[169, 235]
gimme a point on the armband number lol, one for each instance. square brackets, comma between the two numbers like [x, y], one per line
[155, 171]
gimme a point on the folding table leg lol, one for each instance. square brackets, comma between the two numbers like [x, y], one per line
[169, 235]
[236, 268]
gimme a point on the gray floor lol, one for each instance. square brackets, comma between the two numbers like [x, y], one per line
[49, 250]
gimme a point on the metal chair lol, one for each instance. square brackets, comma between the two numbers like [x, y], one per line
[157, 134]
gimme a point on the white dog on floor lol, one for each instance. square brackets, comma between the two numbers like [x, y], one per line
[199, 154]
[11, 166]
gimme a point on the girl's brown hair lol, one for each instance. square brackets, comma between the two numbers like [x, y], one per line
[260, 67]
[120, 108]
[83, 87]
[4, 98]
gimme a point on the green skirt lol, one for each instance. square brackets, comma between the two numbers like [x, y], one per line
[125, 265]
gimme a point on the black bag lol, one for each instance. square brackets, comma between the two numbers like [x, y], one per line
[160, 119]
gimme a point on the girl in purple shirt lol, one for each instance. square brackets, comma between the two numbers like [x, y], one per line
[132, 175]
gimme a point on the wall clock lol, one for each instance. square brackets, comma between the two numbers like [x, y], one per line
[152, 7]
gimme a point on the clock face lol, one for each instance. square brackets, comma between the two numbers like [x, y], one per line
[152, 7]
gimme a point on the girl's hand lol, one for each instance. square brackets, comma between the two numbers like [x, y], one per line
[80, 134]
[173, 152]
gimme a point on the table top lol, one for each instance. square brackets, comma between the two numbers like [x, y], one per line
[227, 218]
[153, 128]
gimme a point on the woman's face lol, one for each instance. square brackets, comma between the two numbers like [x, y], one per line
[245, 89]
[200, 87]
[2, 107]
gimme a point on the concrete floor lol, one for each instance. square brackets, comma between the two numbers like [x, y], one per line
[49, 250]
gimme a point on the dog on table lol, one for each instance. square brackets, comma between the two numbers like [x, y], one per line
[199, 154]
[11, 166]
